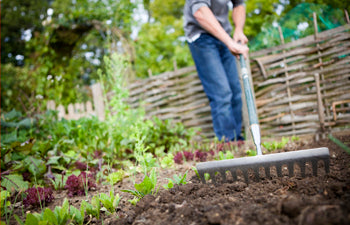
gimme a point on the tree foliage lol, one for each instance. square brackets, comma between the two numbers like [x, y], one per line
[161, 41]
[66, 46]
[19, 17]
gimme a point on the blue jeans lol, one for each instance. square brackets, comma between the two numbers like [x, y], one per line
[216, 67]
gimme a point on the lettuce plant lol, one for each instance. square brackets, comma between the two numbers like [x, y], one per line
[188, 155]
[115, 177]
[200, 156]
[178, 158]
[37, 196]
[167, 161]
[78, 185]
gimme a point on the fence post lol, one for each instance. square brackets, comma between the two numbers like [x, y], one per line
[51, 105]
[320, 108]
[289, 92]
[320, 61]
[98, 101]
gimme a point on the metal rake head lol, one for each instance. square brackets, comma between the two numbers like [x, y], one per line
[254, 163]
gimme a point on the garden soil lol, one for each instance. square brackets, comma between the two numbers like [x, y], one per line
[324, 199]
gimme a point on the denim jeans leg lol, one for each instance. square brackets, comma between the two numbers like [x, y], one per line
[220, 81]
[229, 62]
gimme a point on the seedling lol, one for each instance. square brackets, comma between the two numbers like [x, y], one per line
[147, 186]
[110, 202]
[178, 179]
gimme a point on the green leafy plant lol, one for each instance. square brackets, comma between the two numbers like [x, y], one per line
[4, 201]
[92, 208]
[77, 215]
[250, 152]
[226, 155]
[274, 145]
[167, 161]
[115, 177]
[5, 205]
[147, 186]
[59, 216]
[178, 179]
[196, 172]
[14, 182]
[111, 201]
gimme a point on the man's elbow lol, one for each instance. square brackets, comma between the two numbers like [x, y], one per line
[199, 14]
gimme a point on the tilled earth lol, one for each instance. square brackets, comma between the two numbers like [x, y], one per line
[324, 199]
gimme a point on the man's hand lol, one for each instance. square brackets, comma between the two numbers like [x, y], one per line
[239, 36]
[237, 48]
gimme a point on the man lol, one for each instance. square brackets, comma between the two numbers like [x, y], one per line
[207, 29]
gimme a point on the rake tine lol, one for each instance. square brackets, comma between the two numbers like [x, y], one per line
[279, 170]
[314, 168]
[256, 174]
[212, 176]
[326, 165]
[202, 176]
[233, 174]
[267, 172]
[290, 169]
[223, 175]
[245, 174]
[302, 168]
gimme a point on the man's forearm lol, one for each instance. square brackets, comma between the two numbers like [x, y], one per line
[238, 17]
[207, 20]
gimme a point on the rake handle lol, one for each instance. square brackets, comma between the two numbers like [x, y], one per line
[253, 117]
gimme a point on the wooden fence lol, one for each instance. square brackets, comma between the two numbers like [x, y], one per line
[79, 110]
[303, 87]
[177, 95]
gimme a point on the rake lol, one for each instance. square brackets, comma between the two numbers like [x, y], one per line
[254, 163]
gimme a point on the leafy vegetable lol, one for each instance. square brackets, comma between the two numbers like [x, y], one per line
[77, 185]
[178, 179]
[200, 156]
[147, 186]
[167, 161]
[178, 158]
[226, 155]
[188, 155]
[37, 196]
[110, 202]
[13, 182]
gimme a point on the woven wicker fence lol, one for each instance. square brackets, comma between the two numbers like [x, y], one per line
[177, 95]
[302, 87]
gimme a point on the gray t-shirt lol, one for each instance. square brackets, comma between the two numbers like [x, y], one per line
[219, 8]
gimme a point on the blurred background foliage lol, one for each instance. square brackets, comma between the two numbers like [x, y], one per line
[52, 50]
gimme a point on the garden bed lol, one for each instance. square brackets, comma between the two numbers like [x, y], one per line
[312, 200]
